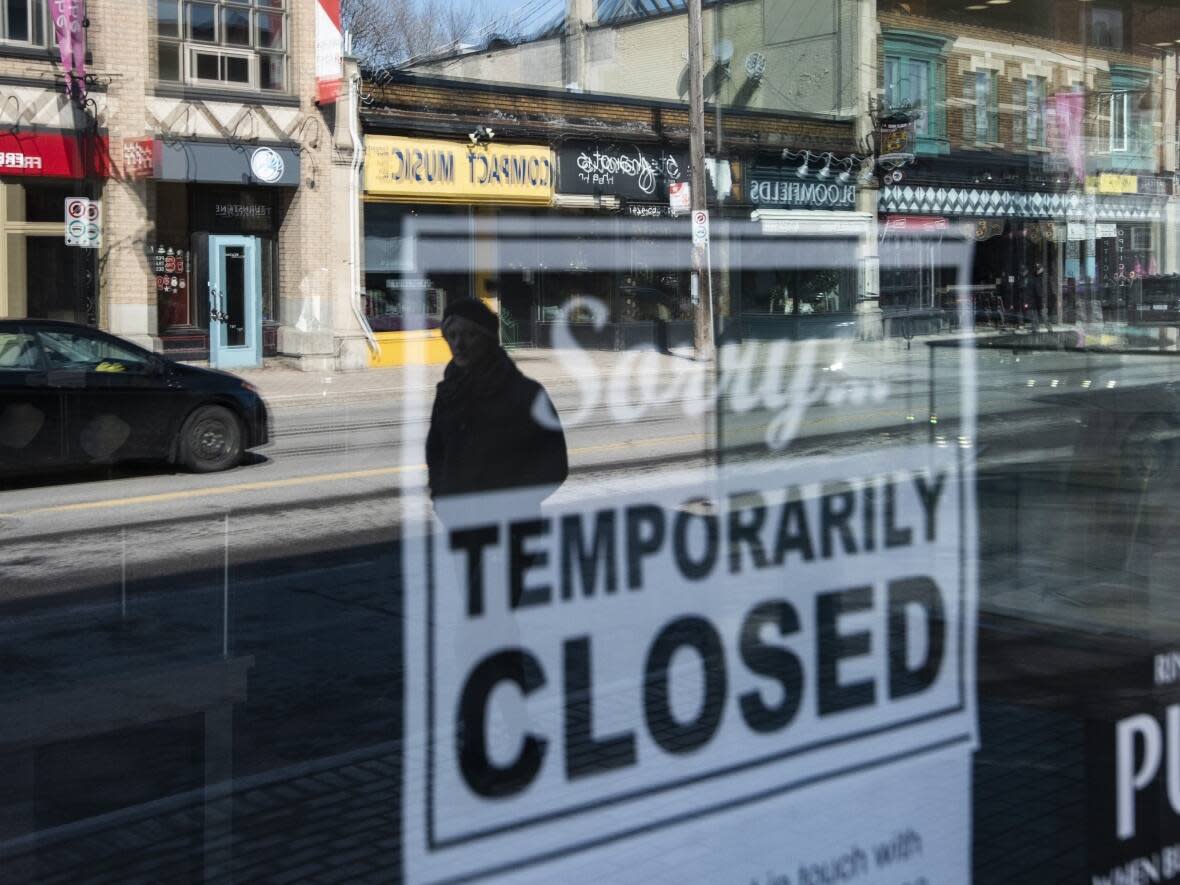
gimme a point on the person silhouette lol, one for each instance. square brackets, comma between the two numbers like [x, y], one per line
[491, 427]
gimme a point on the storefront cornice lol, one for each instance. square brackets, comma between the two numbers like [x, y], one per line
[225, 96]
[557, 130]
[47, 82]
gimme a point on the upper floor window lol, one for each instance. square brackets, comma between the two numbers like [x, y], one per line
[907, 85]
[1035, 111]
[25, 22]
[915, 81]
[1120, 121]
[987, 124]
[230, 43]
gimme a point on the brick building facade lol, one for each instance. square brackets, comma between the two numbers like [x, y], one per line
[1052, 138]
[206, 124]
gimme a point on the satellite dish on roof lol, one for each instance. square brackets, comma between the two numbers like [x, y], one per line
[723, 51]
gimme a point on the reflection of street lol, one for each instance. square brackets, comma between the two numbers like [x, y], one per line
[109, 580]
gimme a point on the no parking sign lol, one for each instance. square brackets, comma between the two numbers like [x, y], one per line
[83, 222]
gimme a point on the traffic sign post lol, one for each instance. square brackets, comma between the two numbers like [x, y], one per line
[700, 227]
[83, 222]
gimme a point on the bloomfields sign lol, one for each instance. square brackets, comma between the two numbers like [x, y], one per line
[629, 171]
[783, 189]
[422, 170]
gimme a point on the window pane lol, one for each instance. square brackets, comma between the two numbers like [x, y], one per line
[273, 4]
[79, 350]
[270, 31]
[202, 22]
[236, 69]
[18, 352]
[16, 20]
[208, 66]
[983, 104]
[167, 20]
[235, 27]
[43, 201]
[271, 71]
[918, 94]
[169, 62]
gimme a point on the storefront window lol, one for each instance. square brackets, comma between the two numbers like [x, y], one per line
[396, 299]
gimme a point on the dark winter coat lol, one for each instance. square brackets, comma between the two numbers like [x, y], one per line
[488, 432]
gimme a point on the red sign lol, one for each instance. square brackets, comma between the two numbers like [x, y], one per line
[915, 223]
[53, 154]
[139, 158]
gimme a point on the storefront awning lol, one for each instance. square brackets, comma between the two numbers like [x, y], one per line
[814, 222]
[981, 203]
[221, 163]
[54, 154]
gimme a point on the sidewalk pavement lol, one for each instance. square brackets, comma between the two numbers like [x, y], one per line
[284, 386]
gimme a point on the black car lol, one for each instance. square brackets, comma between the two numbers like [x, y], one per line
[71, 395]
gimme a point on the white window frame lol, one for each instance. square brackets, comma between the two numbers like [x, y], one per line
[255, 53]
[989, 133]
[1036, 93]
[37, 10]
[1120, 142]
[192, 50]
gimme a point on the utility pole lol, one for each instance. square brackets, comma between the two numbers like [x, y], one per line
[702, 294]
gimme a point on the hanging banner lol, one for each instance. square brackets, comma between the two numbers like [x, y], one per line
[70, 34]
[1065, 113]
[329, 51]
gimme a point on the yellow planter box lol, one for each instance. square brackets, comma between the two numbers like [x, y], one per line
[416, 348]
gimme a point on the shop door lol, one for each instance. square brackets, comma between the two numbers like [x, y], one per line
[235, 308]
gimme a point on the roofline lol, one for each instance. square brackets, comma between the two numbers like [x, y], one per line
[455, 84]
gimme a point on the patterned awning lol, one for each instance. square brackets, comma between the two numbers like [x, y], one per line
[979, 203]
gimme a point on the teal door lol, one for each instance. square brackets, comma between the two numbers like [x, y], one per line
[235, 305]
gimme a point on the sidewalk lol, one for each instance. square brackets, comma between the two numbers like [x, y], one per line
[283, 386]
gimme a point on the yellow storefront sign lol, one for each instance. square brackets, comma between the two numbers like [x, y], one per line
[1112, 183]
[430, 171]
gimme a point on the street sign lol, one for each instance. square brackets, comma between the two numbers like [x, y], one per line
[700, 227]
[83, 222]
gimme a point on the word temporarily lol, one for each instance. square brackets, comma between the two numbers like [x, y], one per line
[840, 521]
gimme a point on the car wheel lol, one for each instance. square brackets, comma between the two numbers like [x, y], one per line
[210, 440]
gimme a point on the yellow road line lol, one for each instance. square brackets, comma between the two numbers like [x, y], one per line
[314, 479]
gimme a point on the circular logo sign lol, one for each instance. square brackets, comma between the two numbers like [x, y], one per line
[266, 165]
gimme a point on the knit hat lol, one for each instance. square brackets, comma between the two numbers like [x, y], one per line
[474, 311]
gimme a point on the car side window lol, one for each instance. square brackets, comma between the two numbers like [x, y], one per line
[18, 352]
[74, 350]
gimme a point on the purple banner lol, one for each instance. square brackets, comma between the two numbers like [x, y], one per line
[68, 16]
